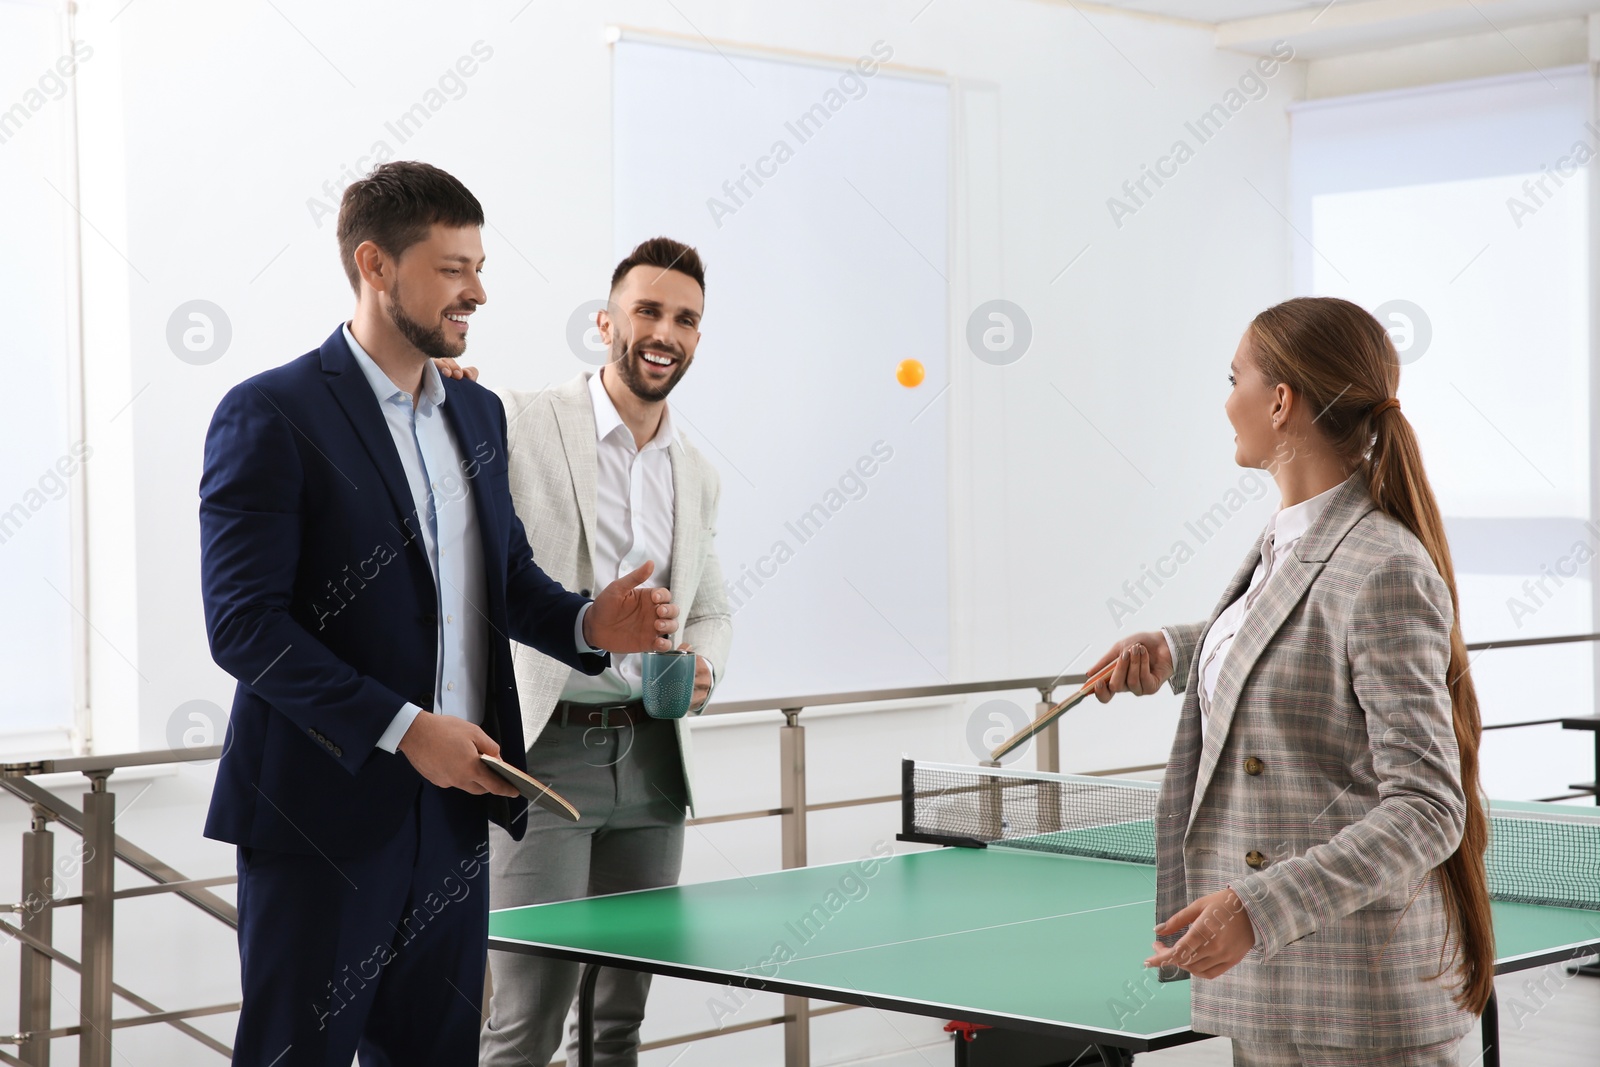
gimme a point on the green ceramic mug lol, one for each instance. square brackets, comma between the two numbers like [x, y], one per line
[668, 683]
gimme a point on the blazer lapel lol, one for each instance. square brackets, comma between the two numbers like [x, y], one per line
[685, 518]
[354, 394]
[575, 418]
[1284, 588]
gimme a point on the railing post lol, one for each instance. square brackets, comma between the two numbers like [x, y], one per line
[1047, 756]
[99, 868]
[792, 773]
[37, 920]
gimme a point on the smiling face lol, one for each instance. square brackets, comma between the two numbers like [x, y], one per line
[431, 288]
[1255, 409]
[653, 326]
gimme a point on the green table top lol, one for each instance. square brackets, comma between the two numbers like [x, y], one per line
[1002, 936]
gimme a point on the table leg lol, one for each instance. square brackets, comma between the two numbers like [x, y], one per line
[1597, 766]
[1112, 1056]
[1491, 1032]
[591, 972]
[1592, 970]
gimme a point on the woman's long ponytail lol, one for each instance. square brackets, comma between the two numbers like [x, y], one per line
[1341, 361]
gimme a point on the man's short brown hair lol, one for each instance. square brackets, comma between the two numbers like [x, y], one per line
[665, 254]
[394, 207]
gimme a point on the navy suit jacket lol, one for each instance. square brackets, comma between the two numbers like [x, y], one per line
[319, 599]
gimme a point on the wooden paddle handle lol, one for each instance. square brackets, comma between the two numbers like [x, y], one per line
[1055, 711]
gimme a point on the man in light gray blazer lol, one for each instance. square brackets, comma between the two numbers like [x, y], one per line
[599, 461]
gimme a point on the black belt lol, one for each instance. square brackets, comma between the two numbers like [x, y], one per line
[605, 716]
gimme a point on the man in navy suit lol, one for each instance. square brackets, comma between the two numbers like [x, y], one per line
[363, 573]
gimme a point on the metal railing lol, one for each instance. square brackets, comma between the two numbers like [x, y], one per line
[1577, 789]
[102, 848]
[96, 859]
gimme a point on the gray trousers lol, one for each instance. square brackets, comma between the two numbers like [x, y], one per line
[628, 785]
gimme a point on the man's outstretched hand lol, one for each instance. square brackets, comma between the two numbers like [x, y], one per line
[625, 618]
[444, 750]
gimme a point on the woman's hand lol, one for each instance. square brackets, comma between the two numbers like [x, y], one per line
[1143, 664]
[1220, 933]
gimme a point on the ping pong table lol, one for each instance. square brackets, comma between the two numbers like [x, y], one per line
[1004, 935]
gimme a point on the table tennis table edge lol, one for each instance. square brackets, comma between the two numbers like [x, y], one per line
[1151, 1042]
[1133, 1042]
[1539, 957]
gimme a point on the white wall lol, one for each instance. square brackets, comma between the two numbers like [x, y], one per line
[210, 126]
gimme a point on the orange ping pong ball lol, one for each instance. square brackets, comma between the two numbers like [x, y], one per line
[910, 373]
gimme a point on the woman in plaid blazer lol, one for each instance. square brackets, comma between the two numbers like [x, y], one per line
[1320, 833]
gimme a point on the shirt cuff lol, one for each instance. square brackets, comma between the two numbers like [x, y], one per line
[577, 633]
[1172, 650]
[390, 741]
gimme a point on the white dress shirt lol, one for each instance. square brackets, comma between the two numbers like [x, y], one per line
[1286, 526]
[442, 494]
[634, 502]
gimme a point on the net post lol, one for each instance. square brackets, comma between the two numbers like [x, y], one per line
[908, 798]
[792, 775]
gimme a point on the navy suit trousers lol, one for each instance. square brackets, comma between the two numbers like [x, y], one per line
[381, 955]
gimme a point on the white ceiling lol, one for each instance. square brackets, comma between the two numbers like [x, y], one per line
[1213, 11]
[1337, 27]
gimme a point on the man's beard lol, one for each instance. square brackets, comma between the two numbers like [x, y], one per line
[431, 343]
[626, 357]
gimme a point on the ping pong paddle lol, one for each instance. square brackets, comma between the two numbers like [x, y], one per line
[1054, 712]
[529, 786]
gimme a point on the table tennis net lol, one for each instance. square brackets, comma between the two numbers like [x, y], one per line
[1542, 858]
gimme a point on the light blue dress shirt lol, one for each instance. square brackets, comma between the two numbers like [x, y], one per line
[451, 539]
[434, 465]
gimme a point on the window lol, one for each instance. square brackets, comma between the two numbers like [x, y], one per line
[1460, 215]
[43, 464]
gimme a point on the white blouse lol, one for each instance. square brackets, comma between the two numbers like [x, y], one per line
[1286, 526]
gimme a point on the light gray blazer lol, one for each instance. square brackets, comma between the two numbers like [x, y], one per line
[1330, 761]
[552, 461]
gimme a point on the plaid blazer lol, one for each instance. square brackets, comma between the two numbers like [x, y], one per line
[1326, 791]
[551, 446]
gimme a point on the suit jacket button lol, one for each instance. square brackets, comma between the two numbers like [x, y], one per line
[583, 592]
[1255, 859]
[312, 730]
[337, 751]
[1253, 765]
